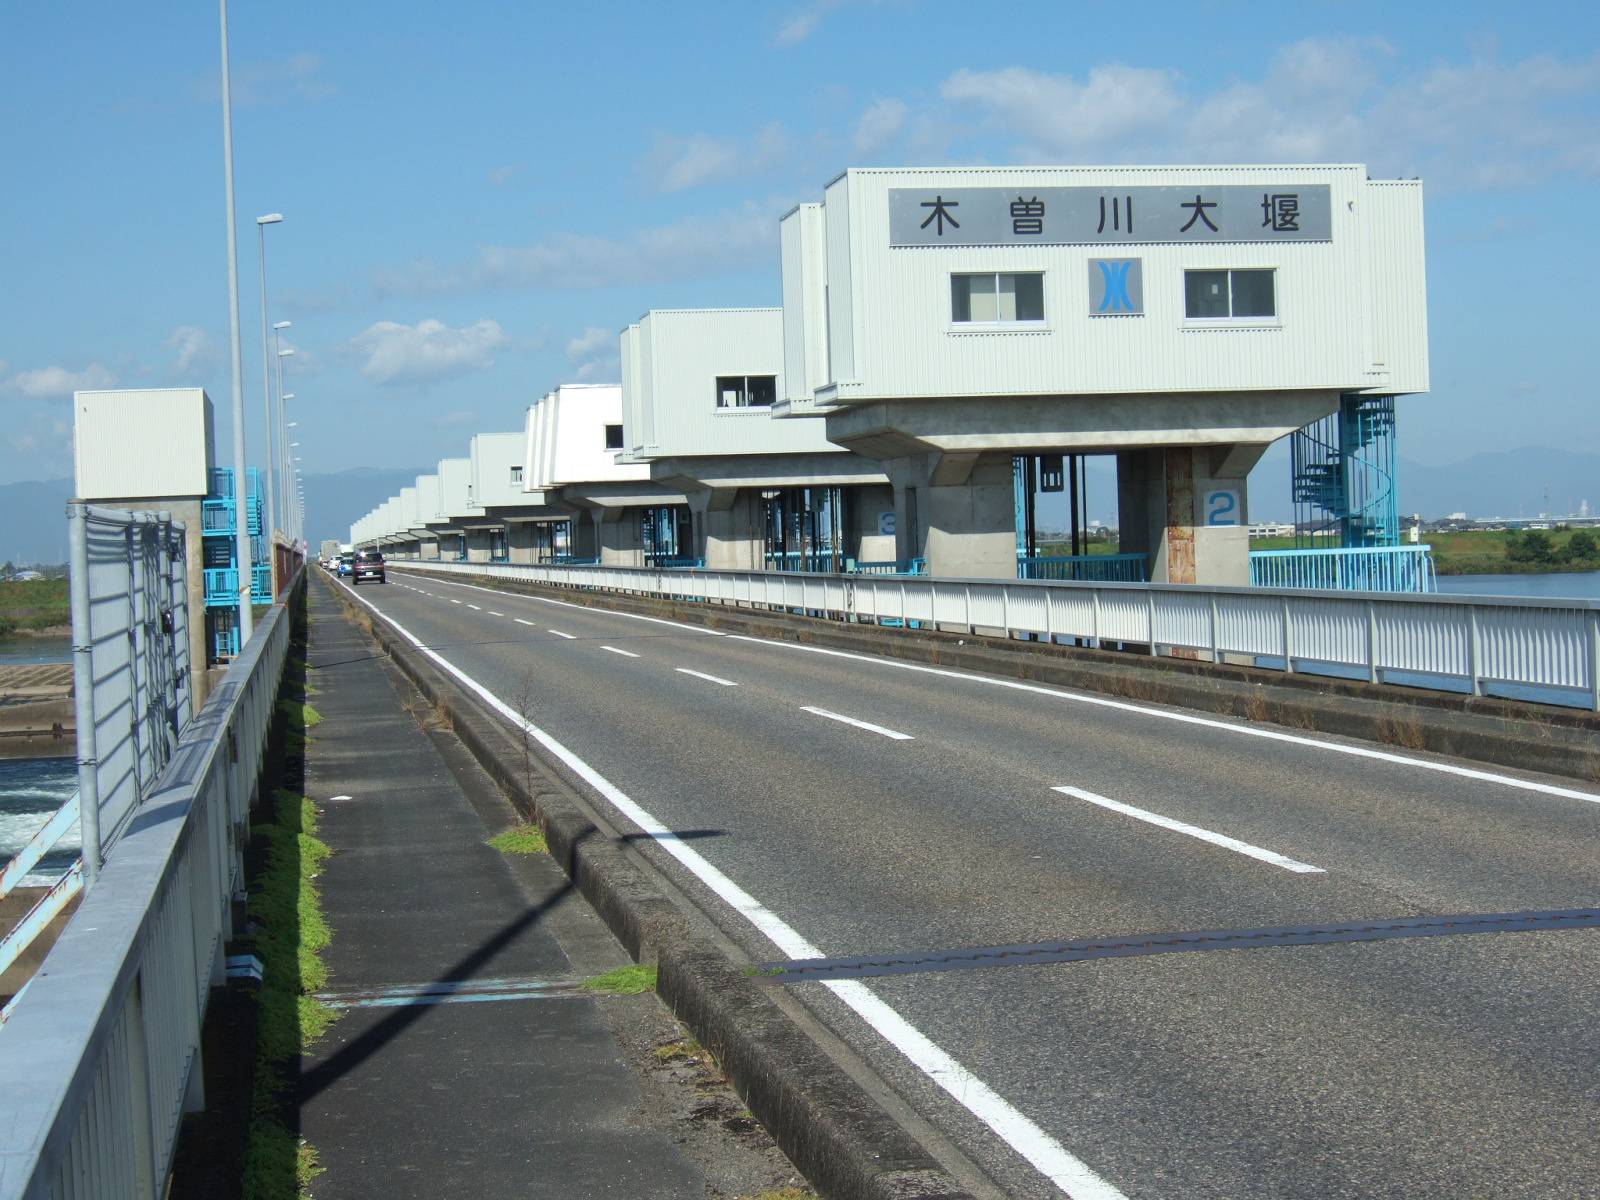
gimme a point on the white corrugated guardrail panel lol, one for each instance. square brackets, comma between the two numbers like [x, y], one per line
[1547, 644]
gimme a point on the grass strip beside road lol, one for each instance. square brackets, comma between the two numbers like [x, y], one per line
[289, 939]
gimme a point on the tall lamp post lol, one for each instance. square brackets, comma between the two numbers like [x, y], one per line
[278, 329]
[266, 402]
[241, 489]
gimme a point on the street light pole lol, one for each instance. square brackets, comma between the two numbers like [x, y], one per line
[271, 513]
[278, 363]
[241, 514]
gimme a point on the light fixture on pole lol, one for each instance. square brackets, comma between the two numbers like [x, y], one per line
[266, 401]
[241, 484]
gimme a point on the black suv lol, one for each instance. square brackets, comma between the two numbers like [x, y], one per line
[368, 565]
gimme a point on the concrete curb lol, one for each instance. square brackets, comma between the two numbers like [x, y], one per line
[1507, 733]
[842, 1140]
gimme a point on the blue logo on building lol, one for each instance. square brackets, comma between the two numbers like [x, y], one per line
[1116, 286]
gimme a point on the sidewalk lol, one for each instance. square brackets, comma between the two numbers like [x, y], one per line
[545, 1094]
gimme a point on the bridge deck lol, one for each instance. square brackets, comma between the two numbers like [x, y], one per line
[869, 806]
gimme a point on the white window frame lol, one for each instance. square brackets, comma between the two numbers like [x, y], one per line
[1040, 326]
[720, 407]
[1275, 321]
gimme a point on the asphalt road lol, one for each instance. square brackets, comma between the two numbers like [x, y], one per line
[1449, 1067]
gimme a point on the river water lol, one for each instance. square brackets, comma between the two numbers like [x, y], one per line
[1574, 585]
[30, 790]
[30, 651]
[33, 788]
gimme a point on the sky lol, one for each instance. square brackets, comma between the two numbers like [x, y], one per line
[478, 196]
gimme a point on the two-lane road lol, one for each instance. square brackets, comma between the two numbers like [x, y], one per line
[846, 804]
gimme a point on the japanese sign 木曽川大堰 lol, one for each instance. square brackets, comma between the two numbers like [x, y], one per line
[988, 216]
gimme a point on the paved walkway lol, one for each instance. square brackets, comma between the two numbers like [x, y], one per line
[527, 1097]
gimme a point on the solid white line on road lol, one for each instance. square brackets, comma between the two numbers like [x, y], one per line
[571, 637]
[867, 725]
[1068, 1172]
[707, 678]
[492, 612]
[1194, 831]
[1248, 730]
[518, 620]
[613, 649]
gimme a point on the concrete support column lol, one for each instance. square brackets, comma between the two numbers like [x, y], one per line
[1186, 509]
[520, 541]
[866, 539]
[430, 549]
[958, 511]
[728, 527]
[477, 545]
[618, 539]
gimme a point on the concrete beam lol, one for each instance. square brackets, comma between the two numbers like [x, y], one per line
[891, 429]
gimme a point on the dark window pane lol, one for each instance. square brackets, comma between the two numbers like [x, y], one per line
[1253, 294]
[1030, 297]
[613, 437]
[961, 297]
[762, 390]
[730, 391]
[1205, 293]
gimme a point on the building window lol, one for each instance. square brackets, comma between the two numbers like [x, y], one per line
[613, 437]
[746, 391]
[516, 475]
[1213, 295]
[996, 299]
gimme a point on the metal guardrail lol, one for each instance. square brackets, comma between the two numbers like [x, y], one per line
[1359, 569]
[1478, 639]
[102, 1054]
[1085, 568]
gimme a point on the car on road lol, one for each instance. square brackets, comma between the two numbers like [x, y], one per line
[368, 566]
[347, 564]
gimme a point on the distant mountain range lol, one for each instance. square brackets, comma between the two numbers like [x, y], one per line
[1506, 483]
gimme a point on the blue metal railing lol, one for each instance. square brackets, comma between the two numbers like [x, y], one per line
[572, 560]
[1360, 569]
[677, 562]
[222, 586]
[1085, 568]
[909, 566]
[810, 561]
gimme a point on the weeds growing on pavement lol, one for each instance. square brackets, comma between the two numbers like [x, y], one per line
[624, 981]
[289, 937]
[524, 839]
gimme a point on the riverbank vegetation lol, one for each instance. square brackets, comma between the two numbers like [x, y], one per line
[31, 605]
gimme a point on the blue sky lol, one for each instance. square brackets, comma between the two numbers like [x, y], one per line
[477, 196]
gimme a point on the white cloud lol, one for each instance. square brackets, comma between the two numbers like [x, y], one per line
[269, 83]
[408, 354]
[881, 122]
[595, 355]
[1481, 124]
[690, 249]
[194, 355]
[54, 382]
[679, 163]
